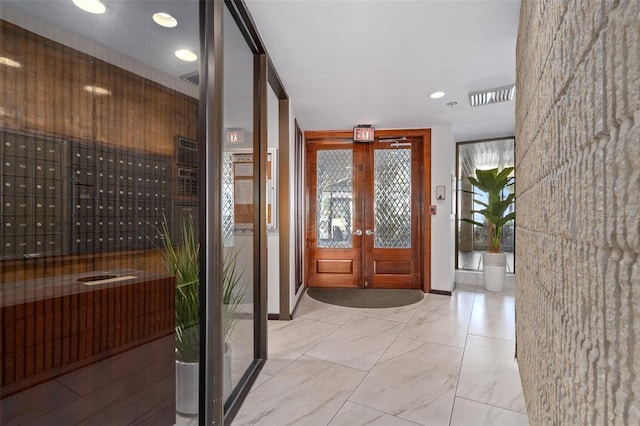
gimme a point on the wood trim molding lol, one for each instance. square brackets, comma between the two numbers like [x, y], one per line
[299, 208]
[337, 135]
[425, 201]
[260, 142]
[210, 159]
[276, 83]
[247, 27]
[284, 208]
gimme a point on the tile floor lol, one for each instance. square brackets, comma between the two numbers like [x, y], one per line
[447, 360]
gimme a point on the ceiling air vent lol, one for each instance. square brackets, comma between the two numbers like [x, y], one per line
[192, 77]
[492, 96]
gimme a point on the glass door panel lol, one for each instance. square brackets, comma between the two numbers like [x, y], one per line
[238, 206]
[392, 198]
[334, 200]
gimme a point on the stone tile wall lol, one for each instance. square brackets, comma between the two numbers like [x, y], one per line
[578, 196]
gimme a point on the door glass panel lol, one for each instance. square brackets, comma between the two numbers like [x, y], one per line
[227, 199]
[334, 198]
[392, 198]
[237, 207]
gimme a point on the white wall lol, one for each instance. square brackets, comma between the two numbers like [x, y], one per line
[273, 236]
[443, 222]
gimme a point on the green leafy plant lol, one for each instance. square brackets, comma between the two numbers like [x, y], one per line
[498, 185]
[233, 292]
[181, 260]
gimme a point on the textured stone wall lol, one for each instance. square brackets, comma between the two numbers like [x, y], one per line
[578, 202]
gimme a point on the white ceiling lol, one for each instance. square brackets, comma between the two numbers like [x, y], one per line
[342, 62]
[376, 62]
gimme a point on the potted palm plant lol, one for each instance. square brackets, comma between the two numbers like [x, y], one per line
[498, 185]
[181, 260]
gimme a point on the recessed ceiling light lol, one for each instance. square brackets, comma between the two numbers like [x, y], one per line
[97, 90]
[91, 6]
[186, 55]
[9, 62]
[436, 95]
[164, 20]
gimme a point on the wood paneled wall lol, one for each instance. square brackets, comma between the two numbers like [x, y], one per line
[46, 95]
[51, 336]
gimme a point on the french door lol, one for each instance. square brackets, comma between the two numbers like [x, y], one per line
[364, 214]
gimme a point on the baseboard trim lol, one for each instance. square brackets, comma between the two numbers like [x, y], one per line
[442, 292]
[295, 308]
[273, 317]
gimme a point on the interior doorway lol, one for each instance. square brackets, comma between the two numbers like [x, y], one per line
[365, 213]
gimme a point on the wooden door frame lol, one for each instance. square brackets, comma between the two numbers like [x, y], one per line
[346, 136]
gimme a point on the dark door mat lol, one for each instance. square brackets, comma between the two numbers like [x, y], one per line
[366, 298]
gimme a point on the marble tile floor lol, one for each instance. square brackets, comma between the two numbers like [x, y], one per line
[447, 360]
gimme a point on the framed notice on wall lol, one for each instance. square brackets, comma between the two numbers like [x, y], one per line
[243, 202]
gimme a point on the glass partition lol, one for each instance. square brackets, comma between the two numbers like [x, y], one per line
[98, 133]
[471, 240]
[237, 205]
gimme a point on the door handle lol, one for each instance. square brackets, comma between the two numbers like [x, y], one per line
[358, 232]
[369, 232]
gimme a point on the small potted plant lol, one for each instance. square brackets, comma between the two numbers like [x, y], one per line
[498, 185]
[181, 260]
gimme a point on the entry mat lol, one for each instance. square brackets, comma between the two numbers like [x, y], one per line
[366, 297]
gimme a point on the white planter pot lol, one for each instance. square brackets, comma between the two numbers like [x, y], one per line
[187, 384]
[187, 388]
[494, 266]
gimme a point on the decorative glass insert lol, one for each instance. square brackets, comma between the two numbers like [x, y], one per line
[392, 198]
[334, 198]
[227, 199]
